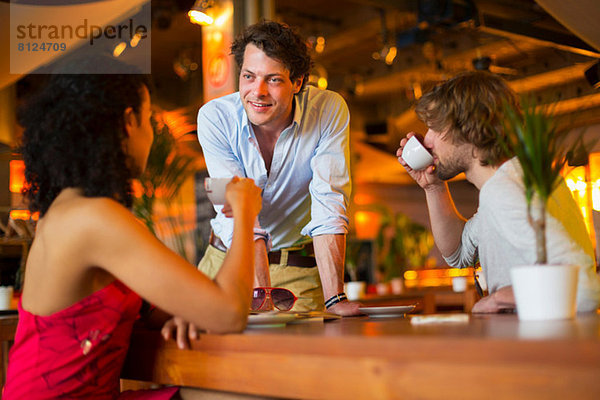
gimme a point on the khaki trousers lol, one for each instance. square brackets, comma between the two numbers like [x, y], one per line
[305, 283]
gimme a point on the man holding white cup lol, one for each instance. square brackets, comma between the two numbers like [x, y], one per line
[293, 141]
[463, 117]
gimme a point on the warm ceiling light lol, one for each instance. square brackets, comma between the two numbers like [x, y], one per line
[320, 46]
[391, 54]
[417, 90]
[119, 49]
[322, 83]
[135, 40]
[199, 13]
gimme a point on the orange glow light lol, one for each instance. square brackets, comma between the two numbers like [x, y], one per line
[362, 199]
[367, 224]
[200, 18]
[17, 175]
[24, 215]
[20, 214]
[435, 277]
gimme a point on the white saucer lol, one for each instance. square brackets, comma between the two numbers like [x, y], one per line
[386, 311]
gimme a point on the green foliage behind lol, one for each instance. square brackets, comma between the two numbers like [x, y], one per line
[166, 171]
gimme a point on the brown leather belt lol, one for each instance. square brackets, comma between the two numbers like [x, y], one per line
[296, 258]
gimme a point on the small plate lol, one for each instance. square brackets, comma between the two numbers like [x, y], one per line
[387, 311]
[269, 319]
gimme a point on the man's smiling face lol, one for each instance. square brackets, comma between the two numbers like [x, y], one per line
[266, 90]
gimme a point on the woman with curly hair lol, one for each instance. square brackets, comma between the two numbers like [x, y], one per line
[85, 138]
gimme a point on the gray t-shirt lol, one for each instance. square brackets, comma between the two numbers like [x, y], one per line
[500, 235]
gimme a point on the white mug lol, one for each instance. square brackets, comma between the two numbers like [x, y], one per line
[215, 189]
[459, 283]
[416, 155]
[355, 290]
[6, 295]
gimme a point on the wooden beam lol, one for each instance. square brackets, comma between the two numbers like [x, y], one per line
[528, 32]
[577, 104]
[347, 40]
[551, 78]
[459, 61]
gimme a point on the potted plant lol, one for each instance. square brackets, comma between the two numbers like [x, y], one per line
[160, 184]
[399, 243]
[541, 291]
[533, 137]
[402, 244]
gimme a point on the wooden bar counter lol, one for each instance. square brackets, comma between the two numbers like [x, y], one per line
[490, 356]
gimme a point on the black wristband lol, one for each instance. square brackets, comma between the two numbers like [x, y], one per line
[335, 299]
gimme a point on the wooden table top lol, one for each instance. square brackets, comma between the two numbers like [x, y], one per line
[356, 358]
[385, 359]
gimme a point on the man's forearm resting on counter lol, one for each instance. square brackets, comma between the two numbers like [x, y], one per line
[330, 253]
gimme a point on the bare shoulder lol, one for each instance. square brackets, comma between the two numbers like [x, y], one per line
[86, 221]
[81, 213]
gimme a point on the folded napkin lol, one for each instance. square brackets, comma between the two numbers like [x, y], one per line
[439, 319]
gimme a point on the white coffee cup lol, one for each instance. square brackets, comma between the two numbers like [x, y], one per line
[459, 283]
[6, 295]
[545, 292]
[416, 155]
[355, 290]
[215, 189]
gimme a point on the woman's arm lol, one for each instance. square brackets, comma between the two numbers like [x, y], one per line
[121, 245]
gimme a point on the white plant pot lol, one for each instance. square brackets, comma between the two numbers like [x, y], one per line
[545, 292]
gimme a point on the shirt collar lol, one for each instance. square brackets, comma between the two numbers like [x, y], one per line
[245, 121]
[298, 110]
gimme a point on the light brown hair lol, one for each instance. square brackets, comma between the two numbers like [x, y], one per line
[469, 109]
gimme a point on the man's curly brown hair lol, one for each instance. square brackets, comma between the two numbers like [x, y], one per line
[279, 42]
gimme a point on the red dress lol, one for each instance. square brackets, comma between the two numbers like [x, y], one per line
[76, 353]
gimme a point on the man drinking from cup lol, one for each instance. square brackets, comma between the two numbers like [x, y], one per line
[293, 141]
[463, 117]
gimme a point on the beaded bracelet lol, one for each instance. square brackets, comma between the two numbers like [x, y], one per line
[335, 299]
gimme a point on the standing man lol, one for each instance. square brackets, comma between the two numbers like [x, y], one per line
[463, 116]
[293, 141]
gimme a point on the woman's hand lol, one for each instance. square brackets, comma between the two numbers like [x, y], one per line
[243, 197]
[184, 332]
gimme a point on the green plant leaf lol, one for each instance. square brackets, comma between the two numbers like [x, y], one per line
[533, 137]
[166, 171]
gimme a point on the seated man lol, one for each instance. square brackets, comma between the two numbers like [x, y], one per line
[463, 116]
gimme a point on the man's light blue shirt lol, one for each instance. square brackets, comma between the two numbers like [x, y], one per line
[307, 190]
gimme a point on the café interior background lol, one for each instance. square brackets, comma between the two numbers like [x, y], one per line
[380, 55]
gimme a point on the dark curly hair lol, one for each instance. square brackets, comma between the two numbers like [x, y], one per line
[279, 42]
[73, 137]
[469, 109]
